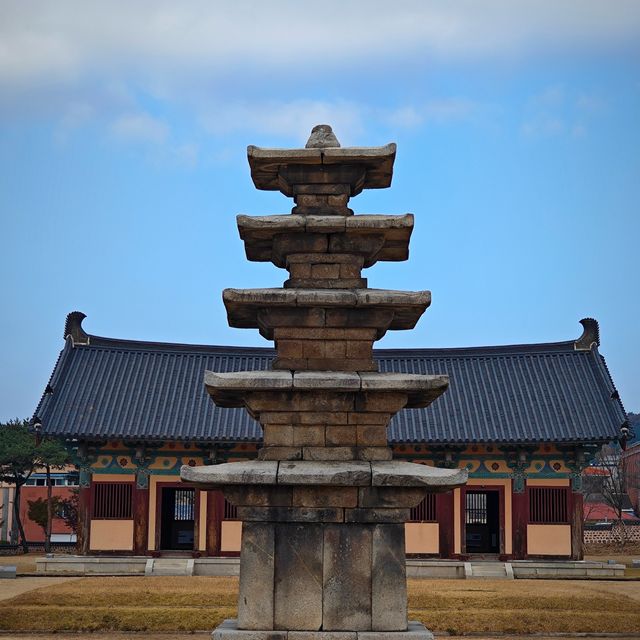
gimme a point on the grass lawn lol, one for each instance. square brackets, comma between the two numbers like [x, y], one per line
[457, 606]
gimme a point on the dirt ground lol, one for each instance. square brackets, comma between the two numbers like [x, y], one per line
[11, 588]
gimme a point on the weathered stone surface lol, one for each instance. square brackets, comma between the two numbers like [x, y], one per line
[298, 577]
[376, 515]
[245, 472]
[255, 599]
[371, 435]
[409, 474]
[308, 435]
[340, 435]
[353, 473]
[388, 579]
[280, 453]
[405, 308]
[390, 497]
[331, 380]
[277, 435]
[421, 389]
[290, 514]
[325, 283]
[325, 497]
[322, 635]
[415, 631]
[372, 453]
[259, 496]
[330, 453]
[382, 402]
[347, 578]
[371, 418]
[229, 630]
[266, 164]
[321, 137]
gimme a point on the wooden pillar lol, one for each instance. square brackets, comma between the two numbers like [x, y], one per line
[84, 512]
[577, 526]
[444, 514]
[141, 517]
[520, 520]
[215, 506]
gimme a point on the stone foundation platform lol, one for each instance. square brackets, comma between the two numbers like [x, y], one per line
[228, 630]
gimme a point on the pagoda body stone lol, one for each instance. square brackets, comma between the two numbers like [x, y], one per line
[324, 506]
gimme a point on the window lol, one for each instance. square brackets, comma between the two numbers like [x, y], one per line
[548, 505]
[425, 511]
[476, 508]
[230, 511]
[112, 500]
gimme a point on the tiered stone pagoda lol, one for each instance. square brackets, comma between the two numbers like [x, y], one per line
[324, 506]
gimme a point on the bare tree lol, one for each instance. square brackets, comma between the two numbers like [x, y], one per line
[615, 481]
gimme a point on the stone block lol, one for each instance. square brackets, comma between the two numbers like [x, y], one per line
[306, 472]
[278, 435]
[325, 270]
[324, 283]
[390, 497]
[341, 364]
[366, 244]
[371, 435]
[255, 599]
[313, 349]
[289, 348]
[332, 380]
[320, 333]
[257, 496]
[373, 453]
[245, 472]
[336, 349]
[299, 270]
[376, 515]
[347, 578]
[379, 319]
[329, 453]
[308, 436]
[280, 453]
[381, 402]
[228, 630]
[409, 474]
[298, 577]
[323, 417]
[287, 243]
[290, 514]
[388, 579]
[359, 349]
[339, 435]
[325, 497]
[369, 417]
[322, 635]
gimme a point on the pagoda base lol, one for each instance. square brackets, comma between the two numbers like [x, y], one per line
[228, 630]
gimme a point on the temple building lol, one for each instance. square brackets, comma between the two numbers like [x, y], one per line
[524, 420]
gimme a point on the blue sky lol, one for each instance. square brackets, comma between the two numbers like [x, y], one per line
[123, 134]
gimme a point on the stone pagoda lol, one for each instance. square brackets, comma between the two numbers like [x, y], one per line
[324, 506]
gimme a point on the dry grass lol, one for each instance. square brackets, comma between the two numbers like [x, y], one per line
[24, 563]
[456, 606]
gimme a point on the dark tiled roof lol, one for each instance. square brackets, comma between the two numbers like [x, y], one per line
[521, 393]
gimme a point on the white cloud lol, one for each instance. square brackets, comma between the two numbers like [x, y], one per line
[163, 40]
[293, 119]
[140, 127]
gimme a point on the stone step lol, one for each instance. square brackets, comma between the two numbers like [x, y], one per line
[169, 567]
[489, 570]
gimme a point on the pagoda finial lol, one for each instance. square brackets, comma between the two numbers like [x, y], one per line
[321, 137]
